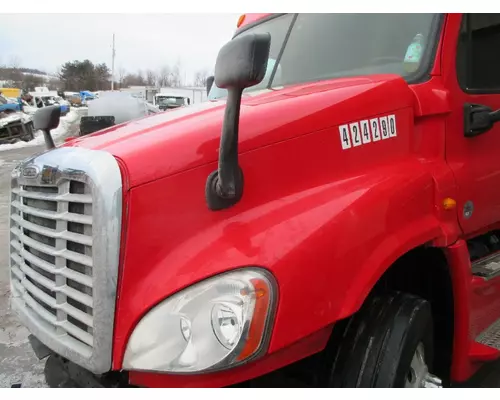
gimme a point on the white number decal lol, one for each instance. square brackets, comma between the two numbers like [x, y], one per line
[384, 128]
[345, 139]
[365, 131]
[355, 134]
[368, 130]
[392, 125]
[375, 128]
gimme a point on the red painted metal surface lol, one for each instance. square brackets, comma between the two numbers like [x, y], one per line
[326, 222]
[306, 347]
[252, 18]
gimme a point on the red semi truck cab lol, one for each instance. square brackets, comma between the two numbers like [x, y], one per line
[343, 229]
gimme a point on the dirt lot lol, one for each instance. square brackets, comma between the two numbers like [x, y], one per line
[19, 364]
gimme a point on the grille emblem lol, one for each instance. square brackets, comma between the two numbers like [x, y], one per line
[48, 175]
[30, 172]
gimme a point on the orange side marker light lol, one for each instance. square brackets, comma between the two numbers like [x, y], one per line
[449, 203]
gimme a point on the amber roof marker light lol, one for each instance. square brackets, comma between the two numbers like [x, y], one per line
[241, 19]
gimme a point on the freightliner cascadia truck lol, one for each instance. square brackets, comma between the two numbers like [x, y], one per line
[330, 216]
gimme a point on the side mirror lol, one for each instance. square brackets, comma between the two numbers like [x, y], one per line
[210, 82]
[46, 119]
[241, 63]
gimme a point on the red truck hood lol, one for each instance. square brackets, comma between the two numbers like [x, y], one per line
[181, 139]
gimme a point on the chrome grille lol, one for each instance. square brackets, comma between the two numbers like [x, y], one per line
[52, 256]
[65, 231]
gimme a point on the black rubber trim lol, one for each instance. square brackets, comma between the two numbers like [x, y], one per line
[282, 50]
[467, 60]
[61, 373]
[429, 59]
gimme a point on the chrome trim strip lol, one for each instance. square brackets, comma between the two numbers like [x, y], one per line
[101, 172]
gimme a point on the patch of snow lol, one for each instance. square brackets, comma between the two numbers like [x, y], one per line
[64, 125]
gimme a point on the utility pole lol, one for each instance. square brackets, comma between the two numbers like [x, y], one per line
[113, 65]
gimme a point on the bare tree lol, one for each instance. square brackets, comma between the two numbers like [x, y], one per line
[140, 78]
[163, 76]
[175, 76]
[15, 62]
[30, 82]
[121, 75]
[200, 78]
[150, 78]
[133, 80]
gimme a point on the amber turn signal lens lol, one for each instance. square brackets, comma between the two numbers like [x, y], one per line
[240, 20]
[258, 325]
[449, 204]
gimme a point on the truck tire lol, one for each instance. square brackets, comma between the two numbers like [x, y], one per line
[387, 344]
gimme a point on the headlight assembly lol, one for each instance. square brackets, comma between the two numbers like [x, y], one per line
[215, 324]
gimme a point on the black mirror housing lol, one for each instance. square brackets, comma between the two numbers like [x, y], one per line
[242, 62]
[210, 82]
[47, 118]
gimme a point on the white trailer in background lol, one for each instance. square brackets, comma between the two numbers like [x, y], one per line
[173, 97]
[145, 93]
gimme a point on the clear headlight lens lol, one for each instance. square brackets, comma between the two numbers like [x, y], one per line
[215, 324]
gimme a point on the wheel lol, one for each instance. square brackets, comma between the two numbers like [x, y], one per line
[387, 344]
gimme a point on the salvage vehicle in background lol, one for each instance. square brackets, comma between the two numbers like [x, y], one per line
[15, 127]
[164, 101]
[80, 99]
[45, 99]
[8, 105]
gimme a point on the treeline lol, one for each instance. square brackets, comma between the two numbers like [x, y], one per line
[163, 77]
[24, 78]
[85, 75]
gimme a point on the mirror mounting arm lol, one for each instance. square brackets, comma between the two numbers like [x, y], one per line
[479, 119]
[228, 152]
[49, 141]
[495, 116]
[224, 186]
[241, 63]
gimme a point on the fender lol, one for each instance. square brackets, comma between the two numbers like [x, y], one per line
[306, 231]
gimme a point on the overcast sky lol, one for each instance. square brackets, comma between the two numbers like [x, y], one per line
[143, 41]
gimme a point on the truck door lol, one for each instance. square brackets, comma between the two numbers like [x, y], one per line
[471, 71]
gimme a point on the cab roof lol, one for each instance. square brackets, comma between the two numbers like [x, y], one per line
[249, 19]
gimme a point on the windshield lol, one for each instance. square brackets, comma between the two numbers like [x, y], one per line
[326, 46]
